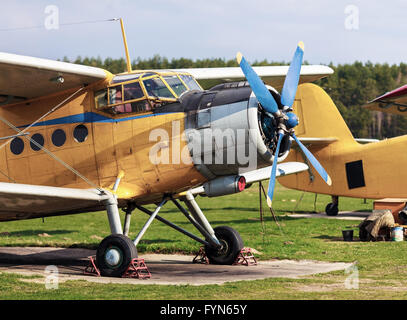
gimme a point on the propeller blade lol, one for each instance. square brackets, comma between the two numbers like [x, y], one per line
[293, 77]
[272, 182]
[315, 163]
[260, 91]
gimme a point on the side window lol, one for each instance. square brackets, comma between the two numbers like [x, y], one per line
[136, 106]
[58, 137]
[115, 94]
[132, 91]
[39, 142]
[80, 133]
[17, 146]
[101, 98]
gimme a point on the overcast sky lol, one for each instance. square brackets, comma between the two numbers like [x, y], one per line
[333, 31]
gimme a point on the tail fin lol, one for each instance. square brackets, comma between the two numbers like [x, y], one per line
[318, 115]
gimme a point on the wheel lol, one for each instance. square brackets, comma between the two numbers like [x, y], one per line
[231, 242]
[114, 255]
[331, 209]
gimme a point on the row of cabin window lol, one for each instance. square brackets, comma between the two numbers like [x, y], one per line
[58, 138]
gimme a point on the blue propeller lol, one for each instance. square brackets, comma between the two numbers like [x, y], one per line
[260, 91]
[293, 76]
[318, 167]
[272, 182]
[285, 118]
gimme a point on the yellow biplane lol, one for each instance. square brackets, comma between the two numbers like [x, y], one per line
[79, 139]
[360, 168]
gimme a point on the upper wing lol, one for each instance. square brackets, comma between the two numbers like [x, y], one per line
[23, 201]
[392, 102]
[283, 169]
[23, 77]
[271, 75]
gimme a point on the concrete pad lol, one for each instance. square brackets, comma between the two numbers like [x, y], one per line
[342, 215]
[165, 269]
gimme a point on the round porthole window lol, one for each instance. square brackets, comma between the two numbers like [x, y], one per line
[17, 146]
[58, 137]
[80, 133]
[39, 139]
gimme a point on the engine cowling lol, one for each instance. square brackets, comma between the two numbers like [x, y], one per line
[228, 131]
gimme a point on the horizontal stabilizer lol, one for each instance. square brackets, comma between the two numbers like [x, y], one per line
[317, 141]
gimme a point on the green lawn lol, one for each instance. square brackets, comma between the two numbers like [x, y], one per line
[381, 265]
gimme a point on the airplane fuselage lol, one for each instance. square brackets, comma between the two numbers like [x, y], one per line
[152, 148]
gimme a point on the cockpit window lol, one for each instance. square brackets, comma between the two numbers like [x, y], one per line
[143, 91]
[132, 91]
[190, 82]
[115, 94]
[156, 88]
[176, 85]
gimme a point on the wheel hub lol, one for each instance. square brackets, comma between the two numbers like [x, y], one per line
[223, 250]
[113, 257]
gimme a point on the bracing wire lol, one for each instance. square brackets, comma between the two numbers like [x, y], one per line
[61, 24]
[51, 154]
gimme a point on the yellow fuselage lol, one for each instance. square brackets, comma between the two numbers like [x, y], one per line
[112, 144]
[374, 170]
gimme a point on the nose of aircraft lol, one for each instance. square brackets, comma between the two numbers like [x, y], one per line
[286, 120]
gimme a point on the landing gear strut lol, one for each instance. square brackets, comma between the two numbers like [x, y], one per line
[332, 208]
[222, 244]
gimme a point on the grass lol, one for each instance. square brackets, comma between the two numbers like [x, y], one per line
[381, 265]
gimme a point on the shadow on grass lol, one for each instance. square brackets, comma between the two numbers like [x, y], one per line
[220, 209]
[36, 232]
[156, 241]
[335, 238]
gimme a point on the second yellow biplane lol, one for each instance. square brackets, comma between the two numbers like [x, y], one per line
[79, 139]
[360, 168]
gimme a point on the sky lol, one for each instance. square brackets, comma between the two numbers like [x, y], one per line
[333, 31]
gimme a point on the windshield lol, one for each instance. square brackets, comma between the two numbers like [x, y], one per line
[190, 82]
[176, 85]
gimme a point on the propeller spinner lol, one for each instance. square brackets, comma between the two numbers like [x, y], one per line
[286, 119]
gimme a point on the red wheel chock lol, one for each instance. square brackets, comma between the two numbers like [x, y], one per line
[91, 269]
[201, 257]
[245, 257]
[137, 269]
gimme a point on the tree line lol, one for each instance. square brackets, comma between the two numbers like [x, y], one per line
[351, 86]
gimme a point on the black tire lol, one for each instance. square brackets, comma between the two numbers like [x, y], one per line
[124, 249]
[232, 244]
[331, 209]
